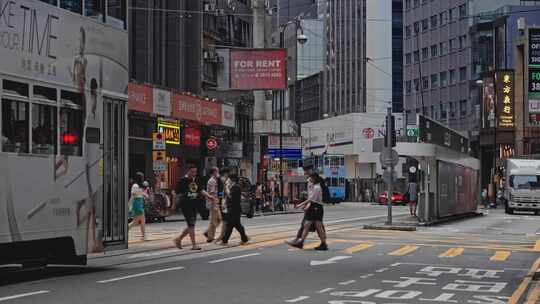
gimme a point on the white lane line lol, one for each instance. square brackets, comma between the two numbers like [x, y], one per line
[325, 290]
[366, 276]
[140, 274]
[234, 258]
[381, 270]
[395, 264]
[347, 282]
[22, 295]
[302, 298]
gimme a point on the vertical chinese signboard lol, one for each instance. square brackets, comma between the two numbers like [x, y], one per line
[534, 76]
[504, 86]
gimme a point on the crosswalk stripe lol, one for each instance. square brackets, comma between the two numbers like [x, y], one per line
[404, 250]
[537, 246]
[264, 244]
[452, 252]
[500, 256]
[357, 248]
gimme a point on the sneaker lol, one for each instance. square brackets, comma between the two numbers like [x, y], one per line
[177, 243]
[205, 234]
[322, 247]
[196, 248]
[244, 241]
[223, 243]
[298, 245]
[209, 240]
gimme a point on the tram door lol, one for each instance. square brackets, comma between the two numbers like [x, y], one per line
[114, 173]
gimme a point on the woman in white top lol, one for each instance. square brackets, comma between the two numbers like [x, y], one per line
[313, 207]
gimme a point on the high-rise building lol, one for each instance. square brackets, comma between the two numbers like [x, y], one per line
[438, 58]
[345, 70]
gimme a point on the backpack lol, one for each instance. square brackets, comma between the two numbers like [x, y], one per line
[326, 198]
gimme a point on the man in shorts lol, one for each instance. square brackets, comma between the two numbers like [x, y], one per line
[190, 190]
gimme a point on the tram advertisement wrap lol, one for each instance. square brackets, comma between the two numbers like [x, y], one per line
[60, 49]
[43, 42]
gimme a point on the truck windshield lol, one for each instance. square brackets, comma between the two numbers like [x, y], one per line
[524, 181]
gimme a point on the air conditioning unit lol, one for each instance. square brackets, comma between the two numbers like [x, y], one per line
[209, 7]
[206, 55]
[220, 12]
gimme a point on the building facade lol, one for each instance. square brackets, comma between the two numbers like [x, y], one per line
[345, 70]
[439, 59]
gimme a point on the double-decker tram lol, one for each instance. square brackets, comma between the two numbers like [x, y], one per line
[63, 127]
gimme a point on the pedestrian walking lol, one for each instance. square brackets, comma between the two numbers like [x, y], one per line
[259, 197]
[212, 188]
[136, 205]
[234, 212]
[190, 190]
[412, 195]
[224, 185]
[314, 213]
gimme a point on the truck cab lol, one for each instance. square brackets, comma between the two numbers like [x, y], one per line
[522, 186]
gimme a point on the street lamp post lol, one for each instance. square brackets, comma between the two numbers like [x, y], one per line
[302, 39]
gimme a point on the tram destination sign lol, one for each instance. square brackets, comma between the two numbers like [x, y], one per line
[430, 131]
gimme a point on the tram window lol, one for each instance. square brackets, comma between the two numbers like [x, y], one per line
[116, 13]
[45, 93]
[341, 182]
[44, 127]
[53, 2]
[94, 9]
[71, 99]
[327, 161]
[71, 130]
[14, 126]
[15, 88]
[71, 5]
[334, 161]
[342, 161]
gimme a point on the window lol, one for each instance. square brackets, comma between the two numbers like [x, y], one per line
[45, 93]
[463, 11]
[52, 2]
[408, 87]
[407, 4]
[15, 88]
[71, 124]
[416, 56]
[442, 110]
[416, 27]
[425, 24]
[425, 53]
[463, 74]
[116, 13]
[443, 48]
[71, 5]
[432, 111]
[408, 58]
[433, 21]
[44, 137]
[94, 9]
[462, 41]
[14, 126]
[425, 83]
[452, 110]
[452, 14]
[443, 18]
[416, 3]
[408, 31]
[443, 79]
[434, 81]
[434, 51]
[463, 108]
[453, 44]
[417, 85]
[452, 76]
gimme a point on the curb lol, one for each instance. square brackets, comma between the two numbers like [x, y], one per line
[393, 227]
[451, 218]
[526, 286]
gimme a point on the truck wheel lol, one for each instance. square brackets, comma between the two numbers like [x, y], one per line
[537, 213]
[509, 210]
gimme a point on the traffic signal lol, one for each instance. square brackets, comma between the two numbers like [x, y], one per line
[390, 132]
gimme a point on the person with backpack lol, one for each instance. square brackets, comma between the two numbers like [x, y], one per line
[314, 213]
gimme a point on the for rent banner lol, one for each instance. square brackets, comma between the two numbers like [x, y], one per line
[258, 69]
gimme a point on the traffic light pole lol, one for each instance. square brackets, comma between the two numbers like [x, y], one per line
[389, 168]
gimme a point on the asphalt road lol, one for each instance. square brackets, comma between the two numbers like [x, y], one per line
[479, 261]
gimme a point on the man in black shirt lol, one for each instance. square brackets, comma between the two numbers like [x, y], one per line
[190, 191]
[234, 212]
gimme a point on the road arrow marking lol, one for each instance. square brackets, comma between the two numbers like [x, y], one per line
[330, 260]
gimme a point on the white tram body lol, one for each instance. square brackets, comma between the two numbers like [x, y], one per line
[63, 143]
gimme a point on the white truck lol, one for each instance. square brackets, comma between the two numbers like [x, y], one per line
[522, 185]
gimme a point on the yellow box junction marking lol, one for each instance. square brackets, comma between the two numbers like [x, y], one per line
[452, 252]
[404, 250]
[500, 256]
[357, 248]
